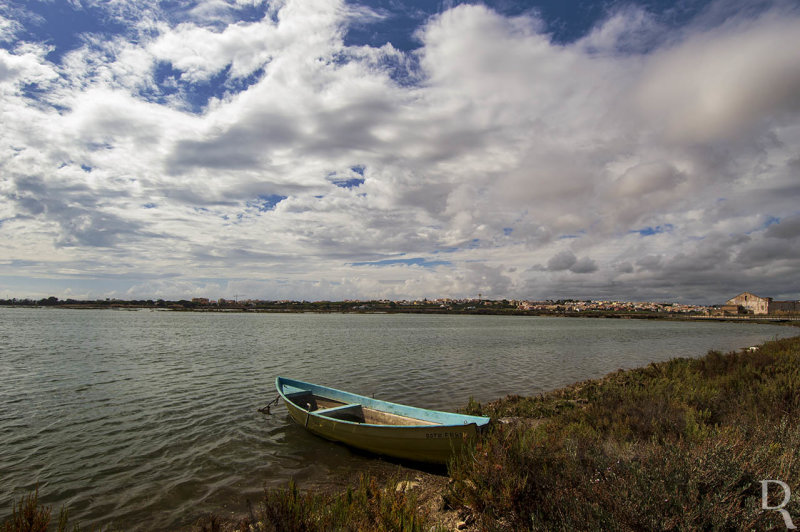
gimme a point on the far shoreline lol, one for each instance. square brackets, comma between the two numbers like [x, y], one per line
[669, 316]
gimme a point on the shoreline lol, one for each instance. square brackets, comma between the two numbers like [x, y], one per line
[776, 319]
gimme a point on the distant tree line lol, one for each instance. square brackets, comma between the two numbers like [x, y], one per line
[53, 301]
[562, 307]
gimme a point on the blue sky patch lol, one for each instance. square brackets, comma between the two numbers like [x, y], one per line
[62, 25]
[565, 22]
[650, 231]
[417, 261]
[398, 22]
[771, 220]
[348, 183]
[166, 77]
[268, 202]
[33, 91]
[396, 26]
[196, 94]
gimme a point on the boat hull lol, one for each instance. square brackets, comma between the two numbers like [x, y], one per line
[430, 440]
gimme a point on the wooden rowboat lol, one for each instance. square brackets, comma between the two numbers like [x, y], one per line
[377, 426]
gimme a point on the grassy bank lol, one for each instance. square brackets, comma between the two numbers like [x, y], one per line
[679, 445]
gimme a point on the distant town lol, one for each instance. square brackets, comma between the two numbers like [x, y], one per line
[743, 305]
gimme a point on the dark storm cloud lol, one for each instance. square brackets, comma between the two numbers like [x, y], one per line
[562, 261]
[243, 146]
[566, 260]
[786, 229]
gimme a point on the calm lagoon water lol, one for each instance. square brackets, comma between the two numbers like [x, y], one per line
[148, 420]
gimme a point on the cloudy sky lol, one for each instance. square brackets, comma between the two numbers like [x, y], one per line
[324, 149]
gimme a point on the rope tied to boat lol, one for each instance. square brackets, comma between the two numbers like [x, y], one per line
[265, 410]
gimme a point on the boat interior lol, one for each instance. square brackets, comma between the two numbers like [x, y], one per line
[352, 412]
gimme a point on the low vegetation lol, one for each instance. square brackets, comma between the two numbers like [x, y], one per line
[676, 445]
[30, 515]
[366, 506]
[679, 445]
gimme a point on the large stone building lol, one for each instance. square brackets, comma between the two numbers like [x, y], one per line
[753, 304]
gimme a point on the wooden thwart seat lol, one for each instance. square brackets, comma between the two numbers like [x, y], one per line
[349, 412]
[351, 408]
[310, 402]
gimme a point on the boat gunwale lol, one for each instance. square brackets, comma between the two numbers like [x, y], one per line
[477, 421]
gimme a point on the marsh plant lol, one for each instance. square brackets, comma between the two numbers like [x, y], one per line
[30, 515]
[366, 506]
